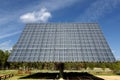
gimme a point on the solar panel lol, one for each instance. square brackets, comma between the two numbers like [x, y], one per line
[61, 42]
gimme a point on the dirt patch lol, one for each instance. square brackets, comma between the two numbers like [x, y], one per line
[110, 77]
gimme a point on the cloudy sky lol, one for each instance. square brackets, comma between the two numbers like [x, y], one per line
[14, 14]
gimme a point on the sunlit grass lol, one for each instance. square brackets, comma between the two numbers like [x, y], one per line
[17, 76]
[8, 72]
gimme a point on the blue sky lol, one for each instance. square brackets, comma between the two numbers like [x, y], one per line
[14, 14]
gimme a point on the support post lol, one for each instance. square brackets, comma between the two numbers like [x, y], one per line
[61, 69]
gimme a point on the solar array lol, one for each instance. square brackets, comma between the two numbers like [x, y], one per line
[61, 42]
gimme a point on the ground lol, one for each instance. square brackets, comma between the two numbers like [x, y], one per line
[104, 77]
[17, 76]
[112, 77]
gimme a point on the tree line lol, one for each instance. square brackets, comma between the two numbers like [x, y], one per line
[53, 66]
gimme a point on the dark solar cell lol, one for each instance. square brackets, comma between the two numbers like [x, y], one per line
[61, 42]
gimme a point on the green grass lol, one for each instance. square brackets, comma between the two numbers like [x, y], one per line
[106, 75]
[17, 76]
[2, 72]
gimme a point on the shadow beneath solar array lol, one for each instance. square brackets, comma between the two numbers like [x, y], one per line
[66, 76]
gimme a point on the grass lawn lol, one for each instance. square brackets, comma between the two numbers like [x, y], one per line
[18, 76]
[39, 72]
[2, 72]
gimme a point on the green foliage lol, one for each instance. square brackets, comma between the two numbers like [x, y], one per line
[3, 59]
[115, 66]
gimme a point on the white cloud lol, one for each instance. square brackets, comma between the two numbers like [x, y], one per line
[9, 34]
[6, 45]
[98, 9]
[53, 5]
[43, 15]
[36, 16]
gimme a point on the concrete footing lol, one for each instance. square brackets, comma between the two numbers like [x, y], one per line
[61, 79]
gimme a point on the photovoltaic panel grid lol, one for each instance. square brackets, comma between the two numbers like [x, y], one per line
[61, 42]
